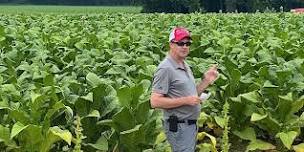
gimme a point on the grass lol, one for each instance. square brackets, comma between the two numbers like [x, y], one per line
[67, 9]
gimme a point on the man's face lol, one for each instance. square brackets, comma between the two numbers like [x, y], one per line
[181, 48]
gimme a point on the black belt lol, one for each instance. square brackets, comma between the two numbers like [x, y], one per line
[190, 121]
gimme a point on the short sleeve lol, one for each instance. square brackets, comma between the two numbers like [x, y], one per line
[161, 81]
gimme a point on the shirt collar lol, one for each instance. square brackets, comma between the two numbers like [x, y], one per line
[175, 64]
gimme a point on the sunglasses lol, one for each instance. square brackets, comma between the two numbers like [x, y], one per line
[182, 43]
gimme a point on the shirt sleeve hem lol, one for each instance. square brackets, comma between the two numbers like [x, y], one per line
[159, 91]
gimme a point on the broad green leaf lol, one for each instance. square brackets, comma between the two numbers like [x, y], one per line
[161, 137]
[224, 42]
[144, 61]
[37, 76]
[32, 137]
[236, 99]
[20, 116]
[283, 109]
[79, 45]
[263, 72]
[125, 96]
[257, 117]
[284, 75]
[287, 138]
[120, 58]
[202, 119]
[202, 135]
[69, 56]
[272, 125]
[287, 97]
[35, 96]
[136, 128]
[4, 134]
[101, 144]
[137, 91]
[5, 105]
[301, 120]
[298, 148]
[49, 80]
[17, 128]
[104, 99]
[247, 134]
[39, 102]
[133, 137]
[147, 72]
[251, 96]
[129, 96]
[2, 68]
[88, 97]
[55, 69]
[75, 86]
[10, 89]
[107, 122]
[235, 76]
[120, 120]
[209, 50]
[1, 79]
[259, 145]
[69, 112]
[53, 135]
[220, 121]
[94, 113]
[63, 134]
[205, 147]
[142, 112]
[297, 105]
[264, 56]
[82, 107]
[268, 84]
[93, 79]
[56, 108]
[247, 67]
[228, 63]
[116, 70]
[247, 110]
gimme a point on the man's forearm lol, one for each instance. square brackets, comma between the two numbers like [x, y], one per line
[166, 102]
[201, 87]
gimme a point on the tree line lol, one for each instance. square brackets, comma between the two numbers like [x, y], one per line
[70, 2]
[182, 6]
[185, 6]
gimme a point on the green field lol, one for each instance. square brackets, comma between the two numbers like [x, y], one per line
[71, 82]
[29, 9]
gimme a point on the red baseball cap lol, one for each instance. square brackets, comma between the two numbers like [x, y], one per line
[179, 33]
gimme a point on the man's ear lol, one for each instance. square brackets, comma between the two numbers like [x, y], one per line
[171, 45]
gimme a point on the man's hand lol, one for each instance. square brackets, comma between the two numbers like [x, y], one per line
[192, 100]
[211, 75]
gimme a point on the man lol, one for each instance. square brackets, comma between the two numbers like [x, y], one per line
[174, 90]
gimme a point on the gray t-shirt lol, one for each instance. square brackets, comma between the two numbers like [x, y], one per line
[173, 81]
